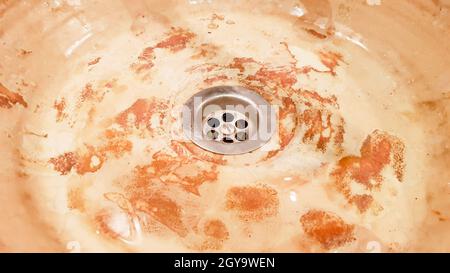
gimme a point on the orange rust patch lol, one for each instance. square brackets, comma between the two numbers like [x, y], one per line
[145, 61]
[239, 63]
[60, 106]
[216, 229]
[216, 233]
[162, 209]
[282, 77]
[184, 171]
[75, 199]
[141, 112]
[287, 125]
[206, 51]
[253, 203]
[91, 159]
[322, 126]
[104, 223]
[330, 60]
[64, 163]
[327, 228]
[190, 149]
[177, 40]
[214, 79]
[287, 113]
[8, 99]
[316, 34]
[378, 151]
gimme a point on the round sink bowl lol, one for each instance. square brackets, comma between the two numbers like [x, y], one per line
[94, 158]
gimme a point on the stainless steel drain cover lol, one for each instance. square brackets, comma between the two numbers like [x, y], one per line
[228, 120]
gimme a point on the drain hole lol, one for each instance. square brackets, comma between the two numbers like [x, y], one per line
[241, 124]
[227, 117]
[212, 134]
[227, 140]
[213, 122]
[242, 136]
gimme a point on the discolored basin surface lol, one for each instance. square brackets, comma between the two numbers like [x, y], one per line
[93, 158]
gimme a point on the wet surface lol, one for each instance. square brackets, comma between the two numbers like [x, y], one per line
[359, 159]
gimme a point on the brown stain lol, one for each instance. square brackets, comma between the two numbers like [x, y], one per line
[253, 203]
[378, 151]
[287, 125]
[327, 229]
[287, 112]
[8, 99]
[240, 63]
[331, 60]
[121, 201]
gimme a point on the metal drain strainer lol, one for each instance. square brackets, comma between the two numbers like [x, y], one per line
[228, 120]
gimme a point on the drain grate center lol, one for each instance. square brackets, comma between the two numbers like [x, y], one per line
[228, 120]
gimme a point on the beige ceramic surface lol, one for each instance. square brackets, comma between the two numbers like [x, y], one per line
[91, 158]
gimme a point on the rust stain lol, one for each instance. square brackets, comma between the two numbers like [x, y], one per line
[330, 60]
[162, 209]
[239, 63]
[141, 112]
[327, 228]
[75, 199]
[94, 61]
[182, 170]
[91, 159]
[24, 52]
[215, 79]
[378, 151]
[144, 62]
[213, 23]
[177, 39]
[322, 125]
[8, 99]
[190, 149]
[207, 51]
[253, 203]
[216, 233]
[282, 77]
[64, 163]
[88, 93]
[216, 229]
[60, 106]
